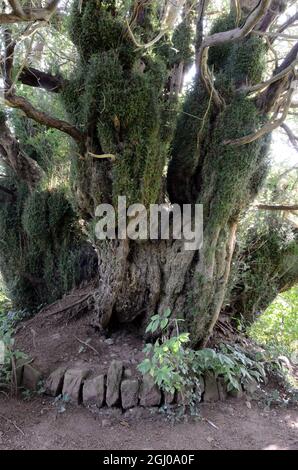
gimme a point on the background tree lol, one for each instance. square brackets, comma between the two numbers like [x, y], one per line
[121, 83]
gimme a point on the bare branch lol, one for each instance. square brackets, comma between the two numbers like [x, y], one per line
[201, 9]
[24, 167]
[22, 103]
[20, 14]
[171, 12]
[279, 207]
[285, 73]
[262, 86]
[276, 8]
[38, 79]
[17, 8]
[31, 112]
[288, 23]
[292, 137]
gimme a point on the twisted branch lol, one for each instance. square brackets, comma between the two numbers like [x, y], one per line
[222, 38]
[20, 14]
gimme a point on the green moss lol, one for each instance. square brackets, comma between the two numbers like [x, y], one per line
[119, 90]
[231, 167]
[97, 29]
[270, 250]
[201, 163]
[42, 252]
[240, 62]
[218, 55]
[190, 142]
[246, 63]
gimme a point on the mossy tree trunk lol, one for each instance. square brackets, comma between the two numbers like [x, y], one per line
[123, 99]
[264, 267]
[129, 105]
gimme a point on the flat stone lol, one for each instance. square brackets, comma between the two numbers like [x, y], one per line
[113, 383]
[94, 391]
[129, 393]
[73, 384]
[31, 378]
[150, 395]
[54, 383]
[169, 398]
[20, 370]
[127, 374]
[211, 389]
[236, 393]
[109, 341]
[179, 399]
[222, 389]
[202, 384]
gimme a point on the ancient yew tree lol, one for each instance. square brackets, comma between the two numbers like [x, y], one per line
[134, 131]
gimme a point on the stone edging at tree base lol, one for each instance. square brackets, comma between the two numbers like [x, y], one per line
[118, 387]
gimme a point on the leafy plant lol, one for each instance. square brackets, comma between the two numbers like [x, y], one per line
[230, 363]
[169, 360]
[8, 321]
[175, 367]
[277, 328]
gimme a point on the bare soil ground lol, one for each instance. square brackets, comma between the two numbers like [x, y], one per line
[36, 424]
[53, 342]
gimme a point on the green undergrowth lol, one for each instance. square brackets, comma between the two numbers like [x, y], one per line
[175, 367]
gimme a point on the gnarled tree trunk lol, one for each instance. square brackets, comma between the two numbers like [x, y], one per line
[135, 139]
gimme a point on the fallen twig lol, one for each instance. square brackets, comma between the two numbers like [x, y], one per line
[87, 345]
[13, 423]
[210, 422]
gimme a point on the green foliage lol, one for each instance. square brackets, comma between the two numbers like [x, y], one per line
[219, 55]
[232, 364]
[266, 263]
[247, 61]
[242, 61]
[42, 252]
[174, 366]
[199, 153]
[232, 168]
[8, 321]
[166, 359]
[119, 89]
[277, 327]
[98, 29]
[169, 361]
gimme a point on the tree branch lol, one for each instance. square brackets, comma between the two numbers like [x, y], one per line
[31, 112]
[38, 79]
[292, 137]
[222, 38]
[276, 77]
[24, 167]
[277, 87]
[22, 103]
[267, 128]
[171, 12]
[20, 14]
[288, 23]
[279, 207]
[276, 8]
[16, 8]
[201, 9]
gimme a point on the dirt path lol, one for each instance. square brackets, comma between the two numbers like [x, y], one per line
[238, 427]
